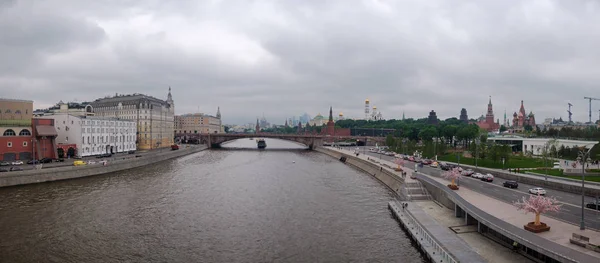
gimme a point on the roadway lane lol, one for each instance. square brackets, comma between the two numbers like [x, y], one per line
[570, 212]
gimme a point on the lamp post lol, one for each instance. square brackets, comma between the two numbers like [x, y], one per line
[477, 142]
[582, 158]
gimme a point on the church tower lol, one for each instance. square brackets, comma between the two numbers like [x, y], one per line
[330, 123]
[218, 112]
[257, 128]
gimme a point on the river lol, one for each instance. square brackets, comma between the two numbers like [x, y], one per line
[229, 205]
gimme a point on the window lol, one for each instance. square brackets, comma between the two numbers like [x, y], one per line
[9, 144]
[17, 112]
[7, 111]
[24, 144]
[24, 132]
[67, 138]
[9, 132]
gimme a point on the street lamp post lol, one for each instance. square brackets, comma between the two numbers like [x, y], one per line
[582, 158]
[477, 142]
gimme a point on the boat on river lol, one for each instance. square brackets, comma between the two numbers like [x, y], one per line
[261, 143]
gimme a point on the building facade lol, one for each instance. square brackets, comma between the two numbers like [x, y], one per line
[44, 138]
[71, 108]
[154, 118]
[432, 118]
[522, 119]
[198, 123]
[93, 135]
[15, 130]
[463, 116]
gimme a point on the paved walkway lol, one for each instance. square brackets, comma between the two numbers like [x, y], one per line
[559, 233]
[490, 250]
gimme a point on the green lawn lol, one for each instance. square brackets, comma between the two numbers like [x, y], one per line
[559, 173]
[513, 162]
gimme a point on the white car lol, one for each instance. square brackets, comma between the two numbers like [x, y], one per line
[17, 163]
[537, 191]
[91, 162]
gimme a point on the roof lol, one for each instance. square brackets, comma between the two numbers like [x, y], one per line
[134, 99]
[45, 130]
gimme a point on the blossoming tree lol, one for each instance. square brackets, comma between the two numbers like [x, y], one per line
[452, 175]
[399, 162]
[537, 204]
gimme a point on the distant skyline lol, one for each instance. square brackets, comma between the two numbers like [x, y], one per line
[286, 57]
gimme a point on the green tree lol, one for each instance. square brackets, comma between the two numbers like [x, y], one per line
[502, 128]
[428, 133]
[389, 140]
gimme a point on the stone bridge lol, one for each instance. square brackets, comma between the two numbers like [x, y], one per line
[310, 140]
[215, 140]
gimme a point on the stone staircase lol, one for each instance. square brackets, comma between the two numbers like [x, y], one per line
[415, 191]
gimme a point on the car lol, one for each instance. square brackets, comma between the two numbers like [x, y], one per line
[511, 184]
[434, 165]
[79, 163]
[477, 175]
[46, 160]
[17, 162]
[16, 169]
[488, 178]
[133, 151]
[593, 205]
[3, 170]
[467, 172]
[91, 162]
[4, 163]
[537, 191]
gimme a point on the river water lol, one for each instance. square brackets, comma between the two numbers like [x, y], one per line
[227, 205]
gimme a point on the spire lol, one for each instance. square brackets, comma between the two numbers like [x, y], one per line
[403, 117]
[286, 123]
[218, 112]
[490, 103]
[330, 113]
[257, 126]
[169, 97]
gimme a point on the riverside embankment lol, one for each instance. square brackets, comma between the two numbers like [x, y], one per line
[384, 174]
[71, 172]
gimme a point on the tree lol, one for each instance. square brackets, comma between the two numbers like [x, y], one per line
[502, 128]
[389, 140]
[538, 204]
[452, 175]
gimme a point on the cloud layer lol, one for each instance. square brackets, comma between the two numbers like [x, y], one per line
[284, 58]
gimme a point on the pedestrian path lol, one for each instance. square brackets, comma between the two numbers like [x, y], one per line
[559, 233]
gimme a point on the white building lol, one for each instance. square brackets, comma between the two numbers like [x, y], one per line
[154, 117]
[536, 145]
[95, 135]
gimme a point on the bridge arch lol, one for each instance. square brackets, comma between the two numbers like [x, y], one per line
[215, 140]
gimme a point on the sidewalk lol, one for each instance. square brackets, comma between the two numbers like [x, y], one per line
[380, 161]
[559, 233]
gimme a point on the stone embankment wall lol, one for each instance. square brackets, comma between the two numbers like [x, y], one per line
[70, 172]
[383, 174]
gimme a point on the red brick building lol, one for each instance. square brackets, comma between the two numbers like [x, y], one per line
[15, 130]
[44, 134]
[488, 124]
[331, 130]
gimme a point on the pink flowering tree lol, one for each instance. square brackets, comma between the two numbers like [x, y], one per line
[538, 204]
[452, 175]
[399, 162]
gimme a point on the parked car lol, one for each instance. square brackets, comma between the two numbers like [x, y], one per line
[17, 162]
[593, 205]
[33, 162]
[91, 162]
[79, 163]
[488, 178]
[477, 175]
[3, 170]
[46, 160]
[59, 160]
[4, 163]
[511, 184]
[15, 168]
[131, 152]
[434, 165]
[444, 166]
[537, 191]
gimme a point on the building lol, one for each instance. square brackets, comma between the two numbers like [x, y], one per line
[376, 115]
[522, 119]
[154, 117]
[432, 118]
[71, 108]
[15, 127]
[463, 116]
[331, 130]
[535, 145]
[44, 139]
[93, 135]
[318, 120]
[488, 123]
[341, 116]
[198, 123]
[367, 109]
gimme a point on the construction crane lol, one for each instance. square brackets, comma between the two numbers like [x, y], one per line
[570, 113]
[588, 98]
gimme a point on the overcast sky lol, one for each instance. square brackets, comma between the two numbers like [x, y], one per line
[284, 58]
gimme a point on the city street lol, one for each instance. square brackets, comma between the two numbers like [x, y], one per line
[570, 212]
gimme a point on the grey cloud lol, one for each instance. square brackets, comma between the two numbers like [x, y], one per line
[405, 56]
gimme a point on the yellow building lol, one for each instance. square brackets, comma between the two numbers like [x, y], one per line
[198, 123]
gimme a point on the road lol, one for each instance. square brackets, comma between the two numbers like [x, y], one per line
[570, 211]
[69, 162]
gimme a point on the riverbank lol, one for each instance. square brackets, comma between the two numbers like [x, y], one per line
[72, 172]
